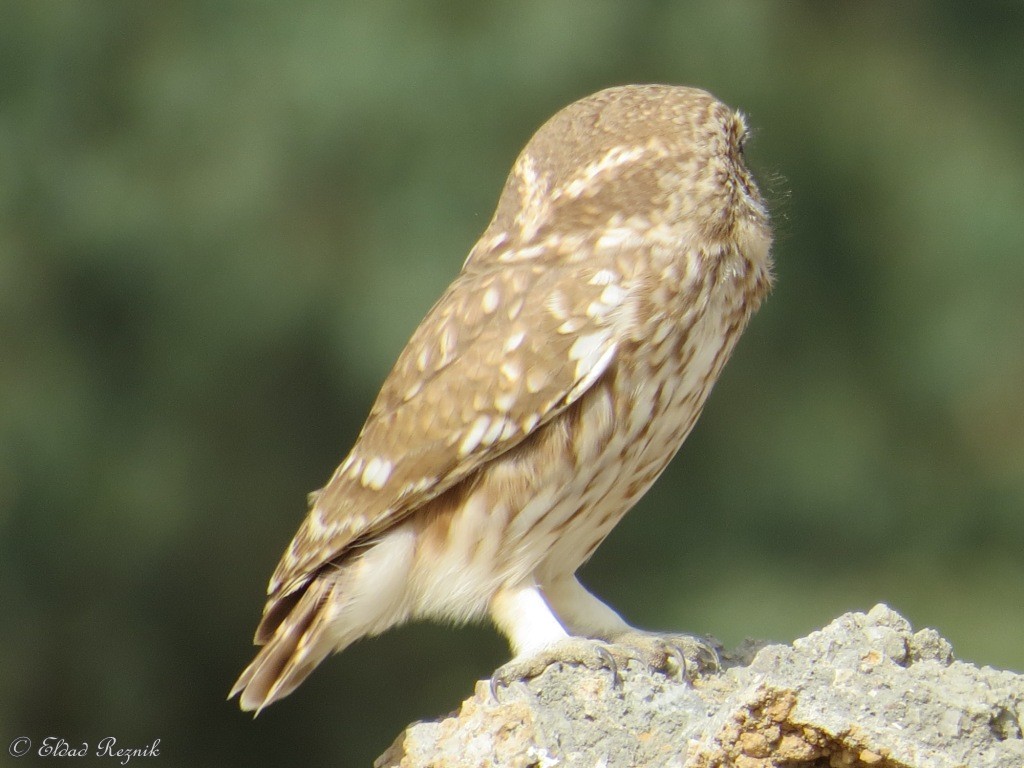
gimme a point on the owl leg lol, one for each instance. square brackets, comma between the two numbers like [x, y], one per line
[587, 616]
[537, 637]
[584, 614]
[581, 612]
[599, 638]
[526, 619]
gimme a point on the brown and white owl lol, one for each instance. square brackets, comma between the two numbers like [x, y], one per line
[541, 396]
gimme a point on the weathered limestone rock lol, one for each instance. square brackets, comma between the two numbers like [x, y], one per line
[864, 691]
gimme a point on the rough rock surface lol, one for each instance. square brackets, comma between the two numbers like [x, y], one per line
[864, 691]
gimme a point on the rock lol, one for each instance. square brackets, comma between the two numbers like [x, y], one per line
[864, 691]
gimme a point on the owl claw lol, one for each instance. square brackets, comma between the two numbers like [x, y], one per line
[681, 657]
[610, 665]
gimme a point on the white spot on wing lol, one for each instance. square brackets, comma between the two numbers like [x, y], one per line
[493, 432]
[355, 469]
[449, 338]
[504, 402]
[511, 370]
[587, 348]
[617, 237]
[489, 303]
[514, 308]
[509, 430]
[423, 359]
[522, 254]
[497, 240]
[514, 341]
[557, 305]
[530, 422]
[474, 436]
[595, 356]
[376, 473]
[420, 485]
[613, 295]
[414, 390]
[317, 526]
[536, 379]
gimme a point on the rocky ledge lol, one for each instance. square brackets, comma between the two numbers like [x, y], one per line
[864, 691]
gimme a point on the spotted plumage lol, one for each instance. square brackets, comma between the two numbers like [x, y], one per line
[541, 396]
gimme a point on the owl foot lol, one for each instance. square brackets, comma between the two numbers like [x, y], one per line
[577, 651]
[681, 657]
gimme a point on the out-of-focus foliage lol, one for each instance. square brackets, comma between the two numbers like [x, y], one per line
[219, 223]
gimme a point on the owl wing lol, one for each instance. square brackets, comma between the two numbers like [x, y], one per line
[504, 350]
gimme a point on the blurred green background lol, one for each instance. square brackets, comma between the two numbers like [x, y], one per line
[220, 222]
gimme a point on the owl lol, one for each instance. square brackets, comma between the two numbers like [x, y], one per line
[541, 396]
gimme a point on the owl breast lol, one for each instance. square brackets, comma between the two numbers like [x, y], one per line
[654, 394]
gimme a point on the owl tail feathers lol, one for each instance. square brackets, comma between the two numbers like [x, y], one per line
[291, 650]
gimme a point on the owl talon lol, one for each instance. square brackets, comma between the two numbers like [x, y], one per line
[681, 657]
[610, 665]
[493, 688]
